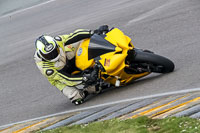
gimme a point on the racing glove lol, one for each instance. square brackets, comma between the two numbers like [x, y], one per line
[102, 29]
[91, 78]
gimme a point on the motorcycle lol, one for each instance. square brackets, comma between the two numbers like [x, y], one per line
[116, 61]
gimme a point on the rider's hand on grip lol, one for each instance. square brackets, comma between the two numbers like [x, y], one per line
[102, 29]
[91, 78]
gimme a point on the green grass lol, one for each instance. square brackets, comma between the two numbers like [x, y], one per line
[138, 125]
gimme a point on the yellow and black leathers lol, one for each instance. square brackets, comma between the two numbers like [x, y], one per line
[59, 73]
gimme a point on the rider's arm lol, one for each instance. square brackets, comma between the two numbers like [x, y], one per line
[76, 36]
[60, 81]
[56, 78]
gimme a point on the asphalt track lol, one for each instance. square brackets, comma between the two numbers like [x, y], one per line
[170, 28]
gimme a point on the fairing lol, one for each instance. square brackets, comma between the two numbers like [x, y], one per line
[99, 46]
[111, 51]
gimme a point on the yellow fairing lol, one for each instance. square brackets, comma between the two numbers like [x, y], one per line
[118, 38]
[125, 78]
[82, 61]
[113, 62]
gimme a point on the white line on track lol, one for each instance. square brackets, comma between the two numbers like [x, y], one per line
[28, 8]
[106, 104]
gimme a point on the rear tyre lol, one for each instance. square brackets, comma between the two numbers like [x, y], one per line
[153, 62]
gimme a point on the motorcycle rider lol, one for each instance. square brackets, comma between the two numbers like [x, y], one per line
[55, 58]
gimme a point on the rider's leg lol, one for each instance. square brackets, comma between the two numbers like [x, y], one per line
[76, 96]
[93, 89]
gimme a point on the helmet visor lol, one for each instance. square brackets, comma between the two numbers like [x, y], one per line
[52, 55]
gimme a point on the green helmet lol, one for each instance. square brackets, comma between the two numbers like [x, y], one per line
[47, 48]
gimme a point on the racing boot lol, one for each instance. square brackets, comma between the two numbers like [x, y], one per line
[76, 96]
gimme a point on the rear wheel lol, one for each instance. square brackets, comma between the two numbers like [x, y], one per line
[148, 61]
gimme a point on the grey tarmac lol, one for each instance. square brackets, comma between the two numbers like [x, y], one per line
[169, 28]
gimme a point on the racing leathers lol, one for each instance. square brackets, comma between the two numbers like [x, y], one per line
[63, 73]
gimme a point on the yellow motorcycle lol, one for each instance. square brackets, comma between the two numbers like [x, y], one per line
[116, 61]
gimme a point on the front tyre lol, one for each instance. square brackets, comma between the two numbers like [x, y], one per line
[153, 62]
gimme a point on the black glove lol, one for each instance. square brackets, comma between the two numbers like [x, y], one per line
[102, 29]
[90, 79]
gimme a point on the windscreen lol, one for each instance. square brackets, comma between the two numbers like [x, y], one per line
[98, 46]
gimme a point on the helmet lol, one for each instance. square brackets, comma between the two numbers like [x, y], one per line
[47, 48]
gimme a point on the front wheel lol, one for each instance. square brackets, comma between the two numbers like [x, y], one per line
[152, 62]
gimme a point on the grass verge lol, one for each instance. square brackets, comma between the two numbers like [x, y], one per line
[137, 125]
